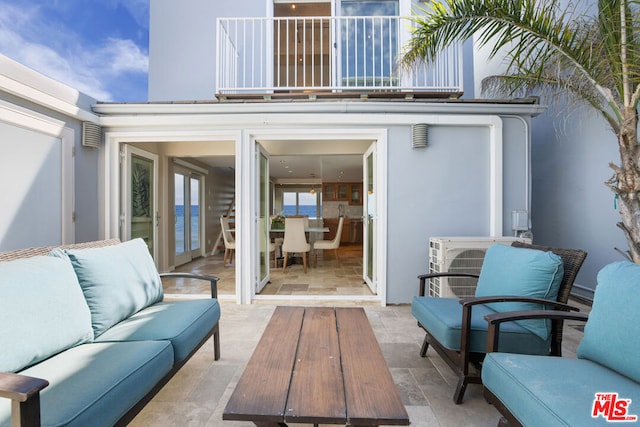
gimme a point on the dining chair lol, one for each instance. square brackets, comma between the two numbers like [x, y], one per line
[330, 244]
[229, 241]
[295, 240]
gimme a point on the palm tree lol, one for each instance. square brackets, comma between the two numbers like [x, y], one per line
[556, 50]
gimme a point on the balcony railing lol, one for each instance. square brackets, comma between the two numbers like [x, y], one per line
[326, 54]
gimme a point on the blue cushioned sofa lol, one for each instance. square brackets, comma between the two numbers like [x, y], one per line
[86, 337]
[600, 386]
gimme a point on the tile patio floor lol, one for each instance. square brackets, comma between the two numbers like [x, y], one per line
[197, 395]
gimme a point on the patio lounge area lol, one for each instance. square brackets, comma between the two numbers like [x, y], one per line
[197, 395]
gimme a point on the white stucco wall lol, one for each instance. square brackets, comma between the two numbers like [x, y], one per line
[572, 207]
[441, 190]
[182, 45]
[41, 121]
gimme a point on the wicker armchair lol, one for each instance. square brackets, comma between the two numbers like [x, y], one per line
[462, 358]
[572, 260]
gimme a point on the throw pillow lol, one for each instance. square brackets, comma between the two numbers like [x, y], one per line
[42, 311]
[507, 270]
[117, 281]
[615, 304]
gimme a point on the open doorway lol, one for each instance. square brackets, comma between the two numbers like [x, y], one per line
[332, 152]
[323, 180]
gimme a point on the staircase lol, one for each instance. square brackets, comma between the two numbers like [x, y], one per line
[230, 213]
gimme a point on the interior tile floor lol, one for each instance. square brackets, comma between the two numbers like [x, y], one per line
[324, 277]
[197, 395]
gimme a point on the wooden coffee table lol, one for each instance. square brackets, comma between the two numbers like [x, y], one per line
[317, 365]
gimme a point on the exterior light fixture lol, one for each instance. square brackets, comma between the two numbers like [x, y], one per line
[419, 135]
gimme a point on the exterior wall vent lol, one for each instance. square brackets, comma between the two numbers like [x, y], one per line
[419, 135]
[91, 135]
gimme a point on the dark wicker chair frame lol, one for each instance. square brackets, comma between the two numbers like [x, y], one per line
[493, 335]
[460, 361]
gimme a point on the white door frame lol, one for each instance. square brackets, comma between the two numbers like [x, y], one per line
[110, 180]
[246, 224]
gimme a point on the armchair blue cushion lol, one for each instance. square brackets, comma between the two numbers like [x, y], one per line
[615, 305]
[442, 318]
[507, 270]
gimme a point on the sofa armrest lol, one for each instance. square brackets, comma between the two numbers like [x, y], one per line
[24, 393]
[212, 279]
[494, 320]
[424, 277]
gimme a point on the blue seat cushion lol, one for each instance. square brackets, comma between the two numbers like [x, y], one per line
[442, 317]
[42, 311]
[507, 270]
[96, 384]
[615, 304]
[117, 281]
[553, 391]
[184, 323]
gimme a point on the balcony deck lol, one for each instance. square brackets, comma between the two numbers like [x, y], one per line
[321, 54]
[347, 94]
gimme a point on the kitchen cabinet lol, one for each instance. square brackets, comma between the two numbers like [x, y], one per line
[355, 194]
[335, 191]
[342, 192]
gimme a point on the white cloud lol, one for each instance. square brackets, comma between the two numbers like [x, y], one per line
[125, 56]
[83, 64]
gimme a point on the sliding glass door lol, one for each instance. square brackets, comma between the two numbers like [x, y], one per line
[188, 218]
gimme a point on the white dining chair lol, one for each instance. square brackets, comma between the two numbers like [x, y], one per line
[330, 244]
[295, 240]
[229, 241]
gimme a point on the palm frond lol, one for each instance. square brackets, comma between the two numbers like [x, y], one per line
[537, 36]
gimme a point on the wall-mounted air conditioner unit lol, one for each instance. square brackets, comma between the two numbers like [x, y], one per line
[459, 255]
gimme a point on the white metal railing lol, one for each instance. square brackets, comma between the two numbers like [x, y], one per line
[359, 53]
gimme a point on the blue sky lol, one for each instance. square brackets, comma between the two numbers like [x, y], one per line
[100, 47]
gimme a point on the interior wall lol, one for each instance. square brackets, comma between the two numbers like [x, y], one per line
[221, 190]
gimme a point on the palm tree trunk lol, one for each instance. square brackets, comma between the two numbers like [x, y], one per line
[626, 182]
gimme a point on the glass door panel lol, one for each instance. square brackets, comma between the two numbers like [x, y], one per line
[139, 201]
[369, 46]
[180, 228]
[195, 213]
[369, 220]
[263, 242]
